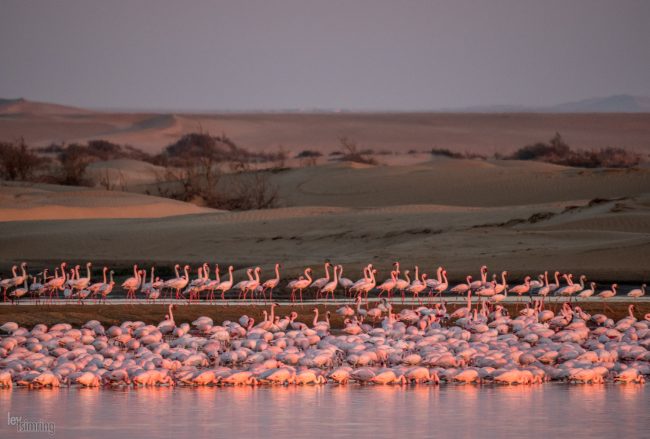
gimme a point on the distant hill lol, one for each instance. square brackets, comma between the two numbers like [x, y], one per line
[609, 104]
[24, 106]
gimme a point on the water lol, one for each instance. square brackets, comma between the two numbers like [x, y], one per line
[463, 411]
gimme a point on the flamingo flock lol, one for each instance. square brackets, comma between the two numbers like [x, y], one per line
[182, 286]
[476, 344]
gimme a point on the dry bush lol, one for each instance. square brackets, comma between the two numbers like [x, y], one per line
[251, 190]
[18, 162]
[194, 173]
[456, 155]
[74, 160]
[308, 157]
[108, 182]
[558, 152]
[350, 152]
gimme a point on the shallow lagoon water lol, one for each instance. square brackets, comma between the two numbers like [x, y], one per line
[463, 411]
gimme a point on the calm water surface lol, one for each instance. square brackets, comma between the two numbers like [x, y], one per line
[548, 411]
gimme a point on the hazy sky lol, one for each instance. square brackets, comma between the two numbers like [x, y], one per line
[277, 54]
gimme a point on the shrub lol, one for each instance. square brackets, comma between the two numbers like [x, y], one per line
[307, 153]
[444, 152]
[17, 161]
[74, 161]
[558, 152]
[351, 153]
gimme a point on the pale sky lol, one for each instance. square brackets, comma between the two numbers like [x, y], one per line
[304, 54]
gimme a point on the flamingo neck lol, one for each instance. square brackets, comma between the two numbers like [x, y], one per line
[327, 272]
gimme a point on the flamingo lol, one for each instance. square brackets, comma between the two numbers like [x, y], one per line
[241, 285]
[56, 284]
[417, 288]
[432, 283]
[637, 292]
[366, 278]
[345, 283]
[94, 288]
[17, 293]
[132, 283]
[83, 282]
[521, 289]
[402, 284]
[5, 284]
[549, 288]
[388, 285]
[588, 292]
[271, 284]
[168, 325]
[366, 287]
[500, 288]
[253, 284]
[479, 283]
[300, 284]
[320, 282]
[107, 288]
[608, 294]
[463, 288]
[441, 287]
[211, 285]
[227, 284]
[463, 311]
[179, 283]
[330, 287]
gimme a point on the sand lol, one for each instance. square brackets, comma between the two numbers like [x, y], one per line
[52, 202]
[419, 214]
[525, 217]
[41, 124]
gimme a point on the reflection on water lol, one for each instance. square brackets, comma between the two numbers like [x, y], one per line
[345, 411]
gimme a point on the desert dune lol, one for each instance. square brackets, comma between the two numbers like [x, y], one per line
[52, 202]
[521, 216]
[485, 133]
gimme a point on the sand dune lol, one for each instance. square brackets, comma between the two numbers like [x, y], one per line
[124, 174]
[523, 216]
[24, 107]
[51, 202]
[455, 182]
[461, 238]
[42, 124]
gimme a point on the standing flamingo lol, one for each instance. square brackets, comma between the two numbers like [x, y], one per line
[132, 283]
[227, 284]
[300, 284]
[608, 294]
[179, 283]
[320, 282]
[330, 287]
[271, 284]
[637, 292]
[56, 284]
